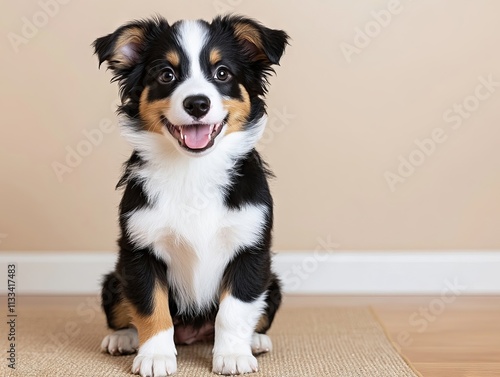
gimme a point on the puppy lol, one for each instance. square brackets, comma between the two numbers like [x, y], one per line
[196, 213]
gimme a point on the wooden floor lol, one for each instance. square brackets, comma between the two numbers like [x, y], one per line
[440, 336]
[458, 338]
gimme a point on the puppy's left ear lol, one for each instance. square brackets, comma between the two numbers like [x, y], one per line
[258, 41]
[124, 48]
[121, 49]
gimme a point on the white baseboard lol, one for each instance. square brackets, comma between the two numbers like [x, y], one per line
[338, 272]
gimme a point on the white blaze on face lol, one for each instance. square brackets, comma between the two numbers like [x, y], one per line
[192, 37]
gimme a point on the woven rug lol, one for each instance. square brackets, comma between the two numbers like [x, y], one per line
[344, 342]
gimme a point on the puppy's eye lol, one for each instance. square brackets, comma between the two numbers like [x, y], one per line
[222, 74]
[166, 76]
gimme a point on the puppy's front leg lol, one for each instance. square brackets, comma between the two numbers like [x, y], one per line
[157, 353]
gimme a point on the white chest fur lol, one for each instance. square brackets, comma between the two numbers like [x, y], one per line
[190, 228]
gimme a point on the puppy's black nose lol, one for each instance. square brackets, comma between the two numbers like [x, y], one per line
[197, 106]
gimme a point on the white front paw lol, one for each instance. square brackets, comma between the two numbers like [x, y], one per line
[234, 364]
[156, 356]
[154, 365]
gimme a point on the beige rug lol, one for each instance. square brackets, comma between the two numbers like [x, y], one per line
[342, 342]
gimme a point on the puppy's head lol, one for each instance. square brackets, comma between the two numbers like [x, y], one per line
[194, 82]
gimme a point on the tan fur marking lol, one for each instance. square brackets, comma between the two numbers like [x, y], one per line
[246, 32]
[173, 58]
[160, 320]
[263, 323]
[121, 314]
[224, 294]
[185, 256]
[238, 110]
[215, 56]
[132, 35]
[249, 33]
[151, 112]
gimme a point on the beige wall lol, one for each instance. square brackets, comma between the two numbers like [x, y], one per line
[348, 123]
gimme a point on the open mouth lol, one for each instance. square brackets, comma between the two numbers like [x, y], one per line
[195, 137]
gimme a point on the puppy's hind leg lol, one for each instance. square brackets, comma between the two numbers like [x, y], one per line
[124, 340]
[260, 341]
[121, 342]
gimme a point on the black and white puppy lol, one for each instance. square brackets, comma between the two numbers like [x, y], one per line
[196, 213]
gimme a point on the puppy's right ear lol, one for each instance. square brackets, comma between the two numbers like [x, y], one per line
[124, 48]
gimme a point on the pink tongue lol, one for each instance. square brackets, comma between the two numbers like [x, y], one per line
[196, 137]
